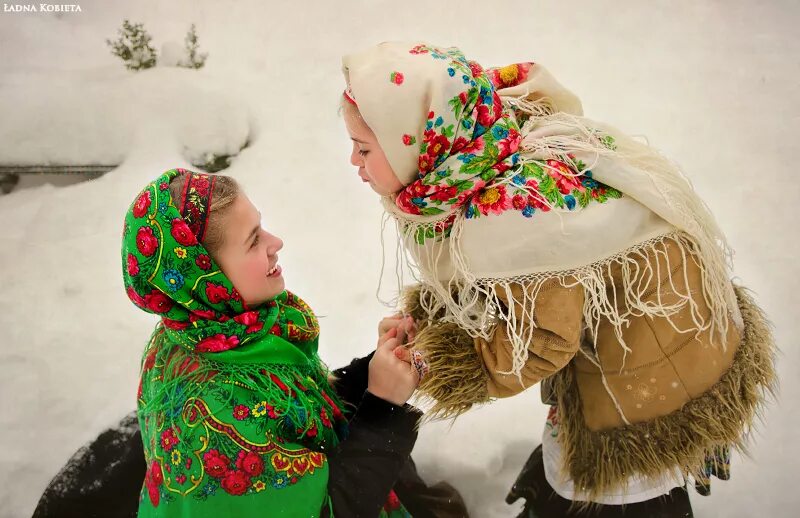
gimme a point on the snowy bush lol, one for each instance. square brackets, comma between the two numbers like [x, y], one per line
[133, 46]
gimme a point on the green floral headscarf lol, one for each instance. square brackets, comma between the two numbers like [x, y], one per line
[234, 404]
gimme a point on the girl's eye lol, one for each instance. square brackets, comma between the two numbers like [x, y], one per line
[255, 242]
[362, 152]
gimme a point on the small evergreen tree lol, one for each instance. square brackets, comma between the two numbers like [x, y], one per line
[133, 46]
[195, 59]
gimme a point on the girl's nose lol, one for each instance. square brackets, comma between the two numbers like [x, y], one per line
[355, 157]
[275, 245]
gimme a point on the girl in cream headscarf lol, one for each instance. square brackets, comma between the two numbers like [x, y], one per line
[551, 247]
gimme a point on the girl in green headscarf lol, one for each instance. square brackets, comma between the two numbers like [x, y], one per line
[236, 410]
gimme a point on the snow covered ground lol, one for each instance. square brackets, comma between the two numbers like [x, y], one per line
[712, 83]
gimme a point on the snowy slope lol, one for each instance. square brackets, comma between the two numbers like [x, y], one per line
[711, 83]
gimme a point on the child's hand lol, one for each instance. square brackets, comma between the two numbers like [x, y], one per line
[397, 320]
[390, 378]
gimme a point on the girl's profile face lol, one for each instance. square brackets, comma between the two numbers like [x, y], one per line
[249, 254]
[368, 156]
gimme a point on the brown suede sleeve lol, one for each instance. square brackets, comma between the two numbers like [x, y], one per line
[558, 316]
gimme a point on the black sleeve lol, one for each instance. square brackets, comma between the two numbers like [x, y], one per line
[364, 467]
[351, 381]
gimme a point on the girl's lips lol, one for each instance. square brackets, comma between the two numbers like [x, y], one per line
[276, 273]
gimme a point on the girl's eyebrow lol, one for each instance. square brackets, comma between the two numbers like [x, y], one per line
[358, 141]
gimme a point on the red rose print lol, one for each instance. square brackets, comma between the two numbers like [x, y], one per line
[397, 78]
[146, 241]
[216, 464]
[197, 314]
[235, 483]
[250, 462]
[157, 302]
[133, 265]
[536, 201]
[476, 68]
[153, 493]
[566, 179]
[418, 190]
[459, 144]
[519, 202]
[142, 204]
[180, 479]
[510, 144]
[392, 502]
[493, 199]
[135, 297]
[182, 233]
[241, 412]
[156, 476]
[203, 261]
[168, 439]
[177, 325]
[216, 293]
[201, 185]
[425, 163]
[463, 98]
[250, 319]
[404, 202]
[475, 145]
[216, 343]
[409, 140]
[438, 146]
[445, 194]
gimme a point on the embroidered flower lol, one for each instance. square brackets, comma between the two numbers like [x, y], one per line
[203, 261]
[445, 194]
[142, 204]
[177, 325]
[438, 146]
[217, 343]
[494, 199]
[180, 252]
[260, 409]
[175, 457]
[133, 265]
[235, 483]
[250, 463]
[182, 233]
[250, 320]
[216, 464]
[181, 479]
[409, 140]
[397, 78]
[216, 293]
[168, 439]
[259, 486]
[146, 241]
[280, 481]
[566, 179]
[241, 412]
[157, 302]
[173, 279]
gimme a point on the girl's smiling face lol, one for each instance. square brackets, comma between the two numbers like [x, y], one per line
[368, 156]
[248, 254]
